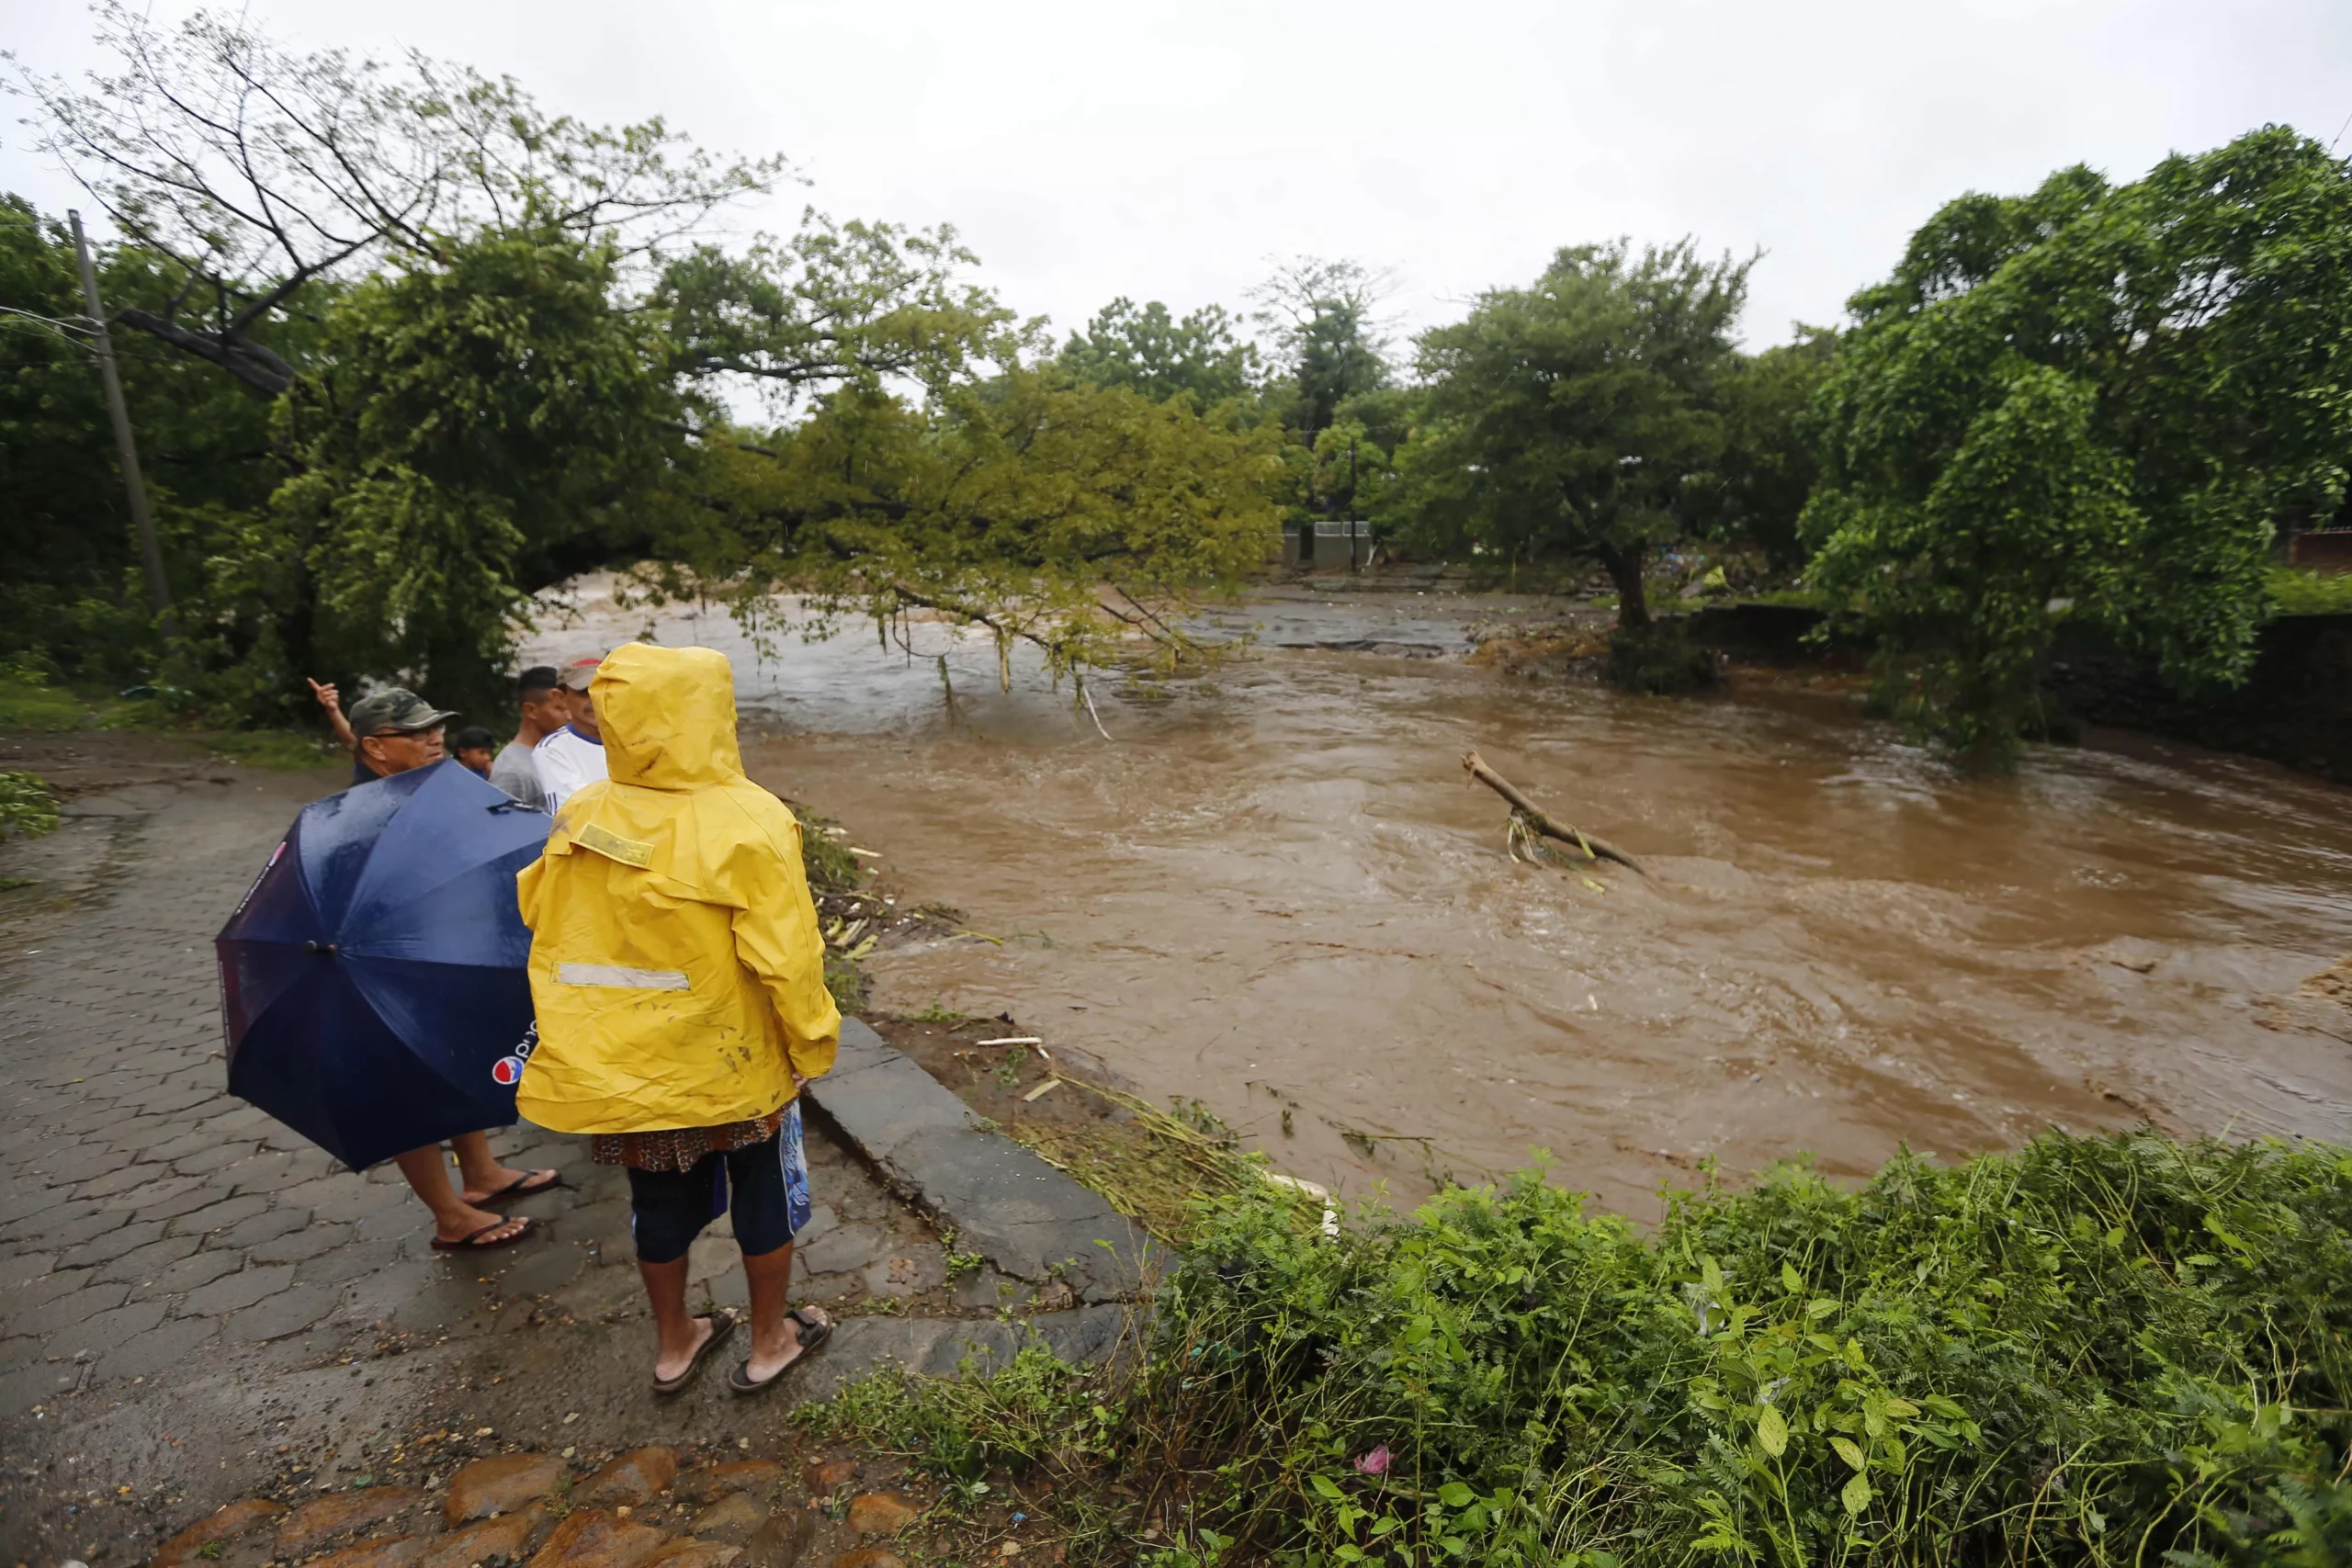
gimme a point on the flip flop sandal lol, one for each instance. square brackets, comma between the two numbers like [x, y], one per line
[521, 1186]
[722, 1323]
[475, 1244]
[814, 1331]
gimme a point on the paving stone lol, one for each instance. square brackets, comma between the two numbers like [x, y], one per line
[710, 1483]
[781, 1542]
[307, 1242]
[60, 1312]
[881, 1513]
[287, 1312]
[272, 1172]
[68, 1224]
[236, 1520]
[122, 1178]
[81, 1162]
[43, 1287]
[104, 1331]
[689, 1553]
[200, 1268]
[19, 1351]
[165, 1346]
[35, 1384]
[732, 1518]
[822, 1475]
[180, 1200]
[244, 1118]
[314, 1524]
[231, 1292]
[284, 1220]
[390, 1552]
[508, 1536]
[141, 1264]
[548, 1268]
[186, 1143]
[346, 1262]
[106, 1248]
[220, 1216]
[166, 1102]
[499, 1485]
[219, 1158]
[347, 1197]
[592, 1538]
[633, 1477]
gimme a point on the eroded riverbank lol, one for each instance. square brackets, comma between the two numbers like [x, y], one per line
[1278, 891]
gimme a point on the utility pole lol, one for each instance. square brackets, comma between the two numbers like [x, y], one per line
[158, 592]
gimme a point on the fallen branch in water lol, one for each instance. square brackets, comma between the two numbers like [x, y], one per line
[1537, 819]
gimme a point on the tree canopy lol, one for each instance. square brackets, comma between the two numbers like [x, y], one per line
[2100, 402]
[1151, 352]
[1577, 415]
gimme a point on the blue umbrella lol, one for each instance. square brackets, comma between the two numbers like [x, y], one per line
[372, 979]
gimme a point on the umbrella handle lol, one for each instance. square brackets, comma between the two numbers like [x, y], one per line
[511, 806]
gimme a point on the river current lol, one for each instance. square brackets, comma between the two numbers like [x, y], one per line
[1277, 892]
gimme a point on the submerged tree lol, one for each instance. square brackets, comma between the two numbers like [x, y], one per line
[1575, 417]
[2094, 402]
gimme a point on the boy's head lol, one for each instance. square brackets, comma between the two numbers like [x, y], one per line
[576, 677]
[540, 689]
[474, 747]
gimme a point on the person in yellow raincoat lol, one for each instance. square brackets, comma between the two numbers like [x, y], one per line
[679, 977]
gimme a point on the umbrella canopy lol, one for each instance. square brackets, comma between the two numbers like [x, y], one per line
[372, 980]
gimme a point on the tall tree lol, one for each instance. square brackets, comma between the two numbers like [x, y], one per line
[1150, 351]
[2094, 400]
[1770, 460]
[1577, 417]
[257, 174]
[1329, 343]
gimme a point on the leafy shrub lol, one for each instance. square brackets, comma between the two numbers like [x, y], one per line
[1659, 660]
[2096, 1351]
[25, 807]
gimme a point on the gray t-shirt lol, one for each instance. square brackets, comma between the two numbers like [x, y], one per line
[514, 772]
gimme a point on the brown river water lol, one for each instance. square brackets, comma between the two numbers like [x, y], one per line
[1277, 891]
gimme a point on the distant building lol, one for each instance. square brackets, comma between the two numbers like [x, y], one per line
[1327, 543]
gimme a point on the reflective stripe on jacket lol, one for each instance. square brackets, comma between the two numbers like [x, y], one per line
[676, 965]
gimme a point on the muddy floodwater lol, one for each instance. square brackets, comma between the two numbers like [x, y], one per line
[1279, 894]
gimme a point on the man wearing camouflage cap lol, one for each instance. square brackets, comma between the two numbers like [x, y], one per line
[391, 731]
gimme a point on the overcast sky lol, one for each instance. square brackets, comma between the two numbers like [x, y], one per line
[1166, 151]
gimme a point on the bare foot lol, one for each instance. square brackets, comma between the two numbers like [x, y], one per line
[768, 1359]
[502, 1181]
[471, 1222]
[675, 1365]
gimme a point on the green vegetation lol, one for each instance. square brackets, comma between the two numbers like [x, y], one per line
[484, 348]
[1575, 417]
[2310, 593]
[2104, 400]
[26, 809]
[2102, 1350]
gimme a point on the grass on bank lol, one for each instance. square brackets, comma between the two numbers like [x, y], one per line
[2102, 1350]
[32, 702]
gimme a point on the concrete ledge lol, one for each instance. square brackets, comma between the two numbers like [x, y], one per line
[1028, 1219]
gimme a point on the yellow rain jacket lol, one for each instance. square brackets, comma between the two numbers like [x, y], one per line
[675, 961]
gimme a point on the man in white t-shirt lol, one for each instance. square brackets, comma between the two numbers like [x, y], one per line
[574, 755]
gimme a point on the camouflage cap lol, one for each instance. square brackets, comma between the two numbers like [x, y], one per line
[397, 709]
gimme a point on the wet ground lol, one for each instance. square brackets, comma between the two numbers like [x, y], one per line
[1277, 890]
[196, 1305]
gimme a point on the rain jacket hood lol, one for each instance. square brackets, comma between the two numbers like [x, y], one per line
[676, 965]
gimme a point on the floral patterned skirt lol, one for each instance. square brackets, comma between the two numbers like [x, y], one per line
[682, 1149]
